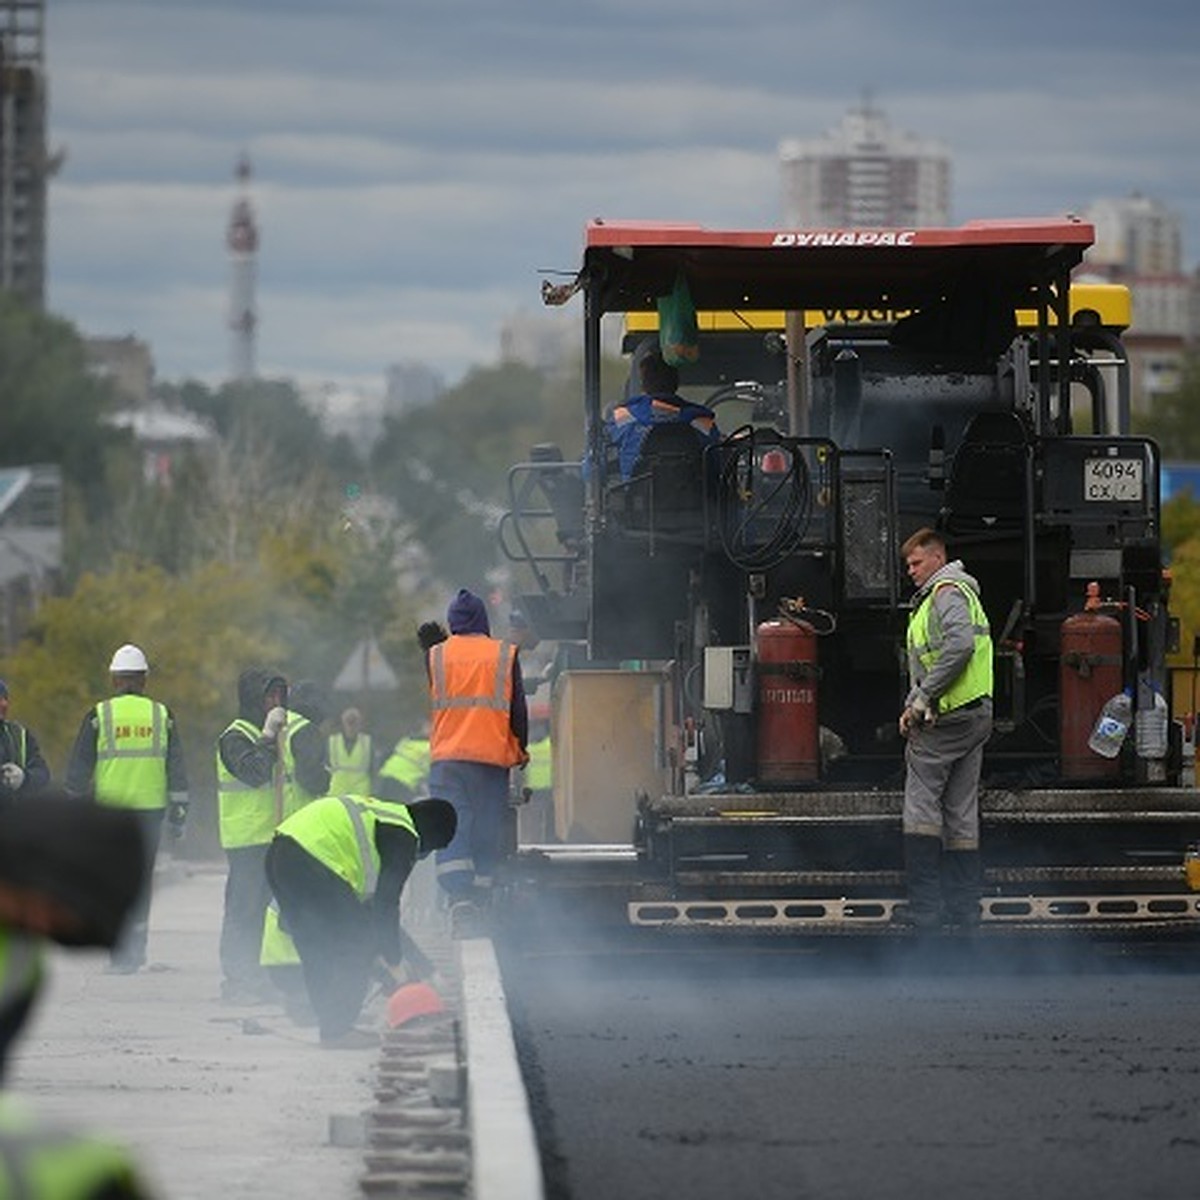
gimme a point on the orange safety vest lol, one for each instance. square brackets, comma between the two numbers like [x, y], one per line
[470, 688]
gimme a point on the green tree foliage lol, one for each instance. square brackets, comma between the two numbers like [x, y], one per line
[1174, 422]
[198, 630]
[1180, 522]
[53, 408]
[54, 413]
[1174, 417]
[447, 463]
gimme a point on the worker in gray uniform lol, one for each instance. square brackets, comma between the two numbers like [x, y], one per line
[947, 718]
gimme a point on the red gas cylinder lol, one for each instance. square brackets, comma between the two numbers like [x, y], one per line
[788, 743]
[1089, 672]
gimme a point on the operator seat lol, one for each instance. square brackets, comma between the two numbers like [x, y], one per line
[988, 487]
[665, 491]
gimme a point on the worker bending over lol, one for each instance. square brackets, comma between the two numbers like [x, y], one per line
[337, 868]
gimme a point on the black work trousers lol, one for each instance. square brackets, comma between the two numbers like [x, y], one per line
[130, 950]
[247, 894]
[332, 930]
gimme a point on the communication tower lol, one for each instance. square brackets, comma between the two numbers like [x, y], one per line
[25, 166]
[241, 238]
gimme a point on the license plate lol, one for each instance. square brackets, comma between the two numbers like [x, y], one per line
[1112, 479]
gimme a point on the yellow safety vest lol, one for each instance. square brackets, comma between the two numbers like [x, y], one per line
[295, 797]
[131, 752]
[976, 680]
[245, 814]
[408, 763]
[46, 1162]
[278, 949]
[339, 831]
[350, 770]
[539, 774]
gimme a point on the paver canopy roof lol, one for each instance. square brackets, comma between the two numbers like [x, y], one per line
[636, 262]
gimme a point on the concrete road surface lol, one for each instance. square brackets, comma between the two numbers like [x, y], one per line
[215, 1101]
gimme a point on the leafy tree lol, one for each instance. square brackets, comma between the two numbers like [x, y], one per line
[1174, 417]
[447, 464]
[54, 412]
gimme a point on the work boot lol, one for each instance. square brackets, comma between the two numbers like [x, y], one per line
[922, 870]
[961, 885]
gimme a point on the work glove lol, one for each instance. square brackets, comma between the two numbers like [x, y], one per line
[430, 633]
[274, 721]
[918, 710]
[12, 776]
[923, 709]
[176, 817]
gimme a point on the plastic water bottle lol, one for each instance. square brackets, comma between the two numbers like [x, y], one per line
[1112, 725]
[1150, 726]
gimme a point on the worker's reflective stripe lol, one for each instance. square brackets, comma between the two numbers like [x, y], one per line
[471, 694]
[295, 797]
[453, 865]
[497, 700]
[132, 732]
[245, 814]
[19, 748]
[107, 748]
[365, 846]
[346, 845]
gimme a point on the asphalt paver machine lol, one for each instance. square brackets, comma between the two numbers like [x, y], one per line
[731, 619]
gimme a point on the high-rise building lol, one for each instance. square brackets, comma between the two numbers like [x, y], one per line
[25, 167]
[1139, 242]
[865, 173]
[1135, 235]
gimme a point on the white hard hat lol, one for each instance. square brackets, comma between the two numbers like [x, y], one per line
[128, 660]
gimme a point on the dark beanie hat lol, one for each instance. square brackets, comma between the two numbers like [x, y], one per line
[86, 857]
[467, 614]
[3, 688]
[436, 822]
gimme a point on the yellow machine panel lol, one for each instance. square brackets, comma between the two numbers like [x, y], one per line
[608, 747]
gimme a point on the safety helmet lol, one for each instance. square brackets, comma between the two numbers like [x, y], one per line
[128, 660]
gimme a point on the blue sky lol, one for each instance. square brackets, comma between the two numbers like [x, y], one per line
[419, 162]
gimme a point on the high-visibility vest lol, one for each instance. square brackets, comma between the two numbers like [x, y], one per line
[925, 645]
[295, 795]
[18, 741]
[245, 814]
[47, 1162]
[408, 763]
[339, 831]
[471, 696]
[278, 949]
[131, 752]
[350, 769]
[539, 773]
